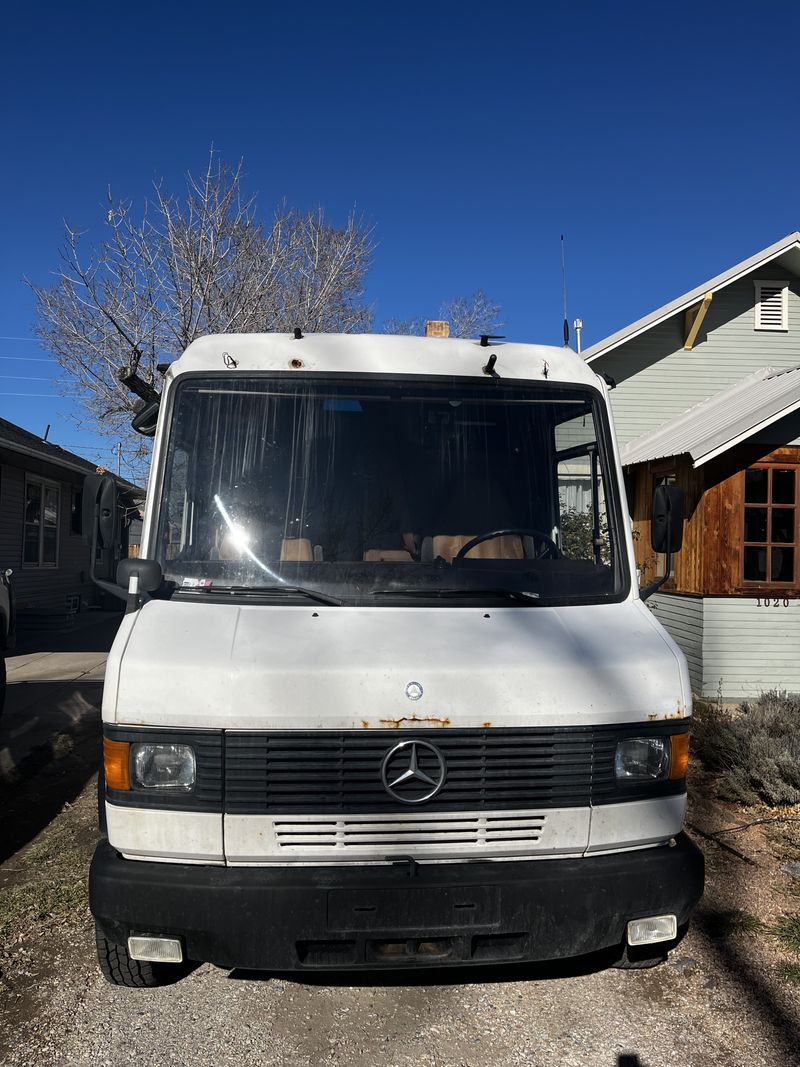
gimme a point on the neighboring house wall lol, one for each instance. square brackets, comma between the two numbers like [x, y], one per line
[748, 648]
[41, 589]
[657, 380]
[738, 637]
[736, 647]
[682, 616]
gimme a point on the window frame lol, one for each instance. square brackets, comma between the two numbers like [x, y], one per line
[751, 584]
[758, 325]
[43, 483]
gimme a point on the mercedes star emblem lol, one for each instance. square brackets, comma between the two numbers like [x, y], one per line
[413, 690]
[411, 766]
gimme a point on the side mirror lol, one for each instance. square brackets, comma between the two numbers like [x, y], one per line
[666, 526]
[148, 571]
[100, 508]
[145, 421]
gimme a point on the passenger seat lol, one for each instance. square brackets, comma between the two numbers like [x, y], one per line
[509, 546]
[296, 550]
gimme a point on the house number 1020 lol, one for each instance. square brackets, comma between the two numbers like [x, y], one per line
[772, 602]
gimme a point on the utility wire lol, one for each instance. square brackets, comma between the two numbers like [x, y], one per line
[50, 396]
[29, 359]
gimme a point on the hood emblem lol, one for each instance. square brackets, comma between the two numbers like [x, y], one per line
[414, 690]
[413, 772]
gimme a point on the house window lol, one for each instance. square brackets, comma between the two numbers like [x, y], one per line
[770, 525]
[40, 539]
[772, 306]
[661, 557]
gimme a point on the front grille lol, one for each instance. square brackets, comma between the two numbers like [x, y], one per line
[395, 834]
[329, 772]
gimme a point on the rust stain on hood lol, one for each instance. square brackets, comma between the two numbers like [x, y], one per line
[395, 724]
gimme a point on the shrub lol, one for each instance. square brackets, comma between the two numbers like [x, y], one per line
[755, 747]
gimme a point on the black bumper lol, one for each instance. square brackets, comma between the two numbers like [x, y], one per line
[279, 918]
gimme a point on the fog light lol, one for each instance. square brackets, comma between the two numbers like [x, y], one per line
[651, 931]
[155, 949]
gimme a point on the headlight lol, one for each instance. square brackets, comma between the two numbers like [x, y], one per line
[156, 766]
[643, 759]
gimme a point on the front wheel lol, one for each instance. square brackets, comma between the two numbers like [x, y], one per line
[120, 969]
[630, 960]
[643, 957]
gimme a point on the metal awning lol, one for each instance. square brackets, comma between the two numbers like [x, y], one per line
[717, 424]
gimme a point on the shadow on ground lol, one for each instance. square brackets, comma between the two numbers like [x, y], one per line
[50, 734]
[576, 967]
[50, 775]
[89, 632]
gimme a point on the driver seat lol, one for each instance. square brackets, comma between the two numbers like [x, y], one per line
[509, 546]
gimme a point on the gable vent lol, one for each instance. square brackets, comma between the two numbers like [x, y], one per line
[772, 306]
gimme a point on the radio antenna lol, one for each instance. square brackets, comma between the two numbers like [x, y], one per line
[564, 289]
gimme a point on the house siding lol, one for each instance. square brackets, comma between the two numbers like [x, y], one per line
[682, 618]
[42, 590]
[657, 380]
[747, 648]
[736, 648]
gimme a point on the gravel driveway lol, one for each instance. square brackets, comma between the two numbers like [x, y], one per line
[720, 1000]
[707, 1006]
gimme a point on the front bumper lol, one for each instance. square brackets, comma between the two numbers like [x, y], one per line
[368, 917]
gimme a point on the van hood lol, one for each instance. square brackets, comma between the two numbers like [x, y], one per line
[231, 666]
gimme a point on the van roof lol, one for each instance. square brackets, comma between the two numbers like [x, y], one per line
[361, 353]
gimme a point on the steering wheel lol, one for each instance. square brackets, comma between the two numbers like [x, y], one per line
[551, 550]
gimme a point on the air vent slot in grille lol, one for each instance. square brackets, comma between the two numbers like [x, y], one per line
[393, 833]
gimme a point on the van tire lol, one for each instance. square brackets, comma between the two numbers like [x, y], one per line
[628, 963]
[119, 969]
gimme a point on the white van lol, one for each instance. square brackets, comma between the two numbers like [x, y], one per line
[386, 693]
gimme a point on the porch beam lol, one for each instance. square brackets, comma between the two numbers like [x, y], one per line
[697, 322]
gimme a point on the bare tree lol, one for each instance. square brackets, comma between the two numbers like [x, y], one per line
[181, 268]
[468, 317]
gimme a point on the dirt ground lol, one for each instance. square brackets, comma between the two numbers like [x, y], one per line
[729, 994]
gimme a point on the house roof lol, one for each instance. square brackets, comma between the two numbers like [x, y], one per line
[788, 247]
[15, 439]
[717, 424]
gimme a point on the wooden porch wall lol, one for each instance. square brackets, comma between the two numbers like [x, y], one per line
[688, 565]
[710, 560]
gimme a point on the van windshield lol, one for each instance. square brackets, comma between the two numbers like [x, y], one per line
[374, 492]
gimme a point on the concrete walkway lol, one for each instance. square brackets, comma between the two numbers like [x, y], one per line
[55, 682]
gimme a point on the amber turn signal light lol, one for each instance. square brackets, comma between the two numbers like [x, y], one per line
[116, 764]
[680, 756]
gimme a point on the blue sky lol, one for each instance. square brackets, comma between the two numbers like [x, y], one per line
[660, 138]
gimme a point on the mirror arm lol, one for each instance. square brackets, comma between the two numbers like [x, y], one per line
[653, 587]
[648, 590]
[108, 587]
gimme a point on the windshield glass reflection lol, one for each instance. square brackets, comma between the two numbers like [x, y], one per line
[370, 491]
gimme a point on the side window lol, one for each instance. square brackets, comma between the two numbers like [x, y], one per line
[575, 520]
[176, 522]
[582, 532]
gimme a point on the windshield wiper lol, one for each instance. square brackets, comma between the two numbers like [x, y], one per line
[296, 590]
[510, 594]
